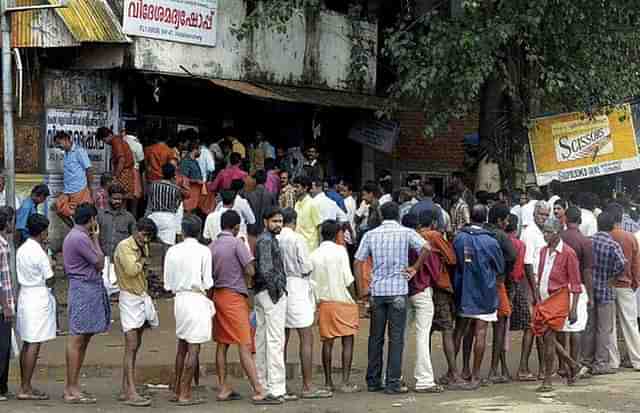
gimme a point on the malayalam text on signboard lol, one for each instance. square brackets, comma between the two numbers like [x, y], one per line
[379, 134]
[574, 146]
[81, 125]
[186, 21]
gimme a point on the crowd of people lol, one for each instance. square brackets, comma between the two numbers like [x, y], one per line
[252, 254]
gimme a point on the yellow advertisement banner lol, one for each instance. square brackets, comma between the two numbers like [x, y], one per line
[573, 146]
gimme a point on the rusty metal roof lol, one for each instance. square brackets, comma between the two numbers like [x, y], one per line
[81, 21]
[312, 96]
[92, 21]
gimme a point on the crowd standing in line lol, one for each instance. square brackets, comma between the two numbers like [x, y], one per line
[244, 227]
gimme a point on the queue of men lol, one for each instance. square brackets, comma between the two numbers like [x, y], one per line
[304, 253]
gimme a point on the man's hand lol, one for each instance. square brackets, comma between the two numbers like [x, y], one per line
[612, 283]
[410, 272]
[573, 315]
[9, 316]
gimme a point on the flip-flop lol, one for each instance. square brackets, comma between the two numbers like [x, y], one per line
[290, 397]
[269, 400]
[349, 388]
[437, 389]
[317, 394]
[192, 402]
[32, 396]
[444, 380]
[499, 380]
[80, 400]
[463, 386]
[544, 389]
[139, 402]
[233, 396]
[527, 377]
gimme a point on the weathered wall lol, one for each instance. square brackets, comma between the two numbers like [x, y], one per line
[266, 55]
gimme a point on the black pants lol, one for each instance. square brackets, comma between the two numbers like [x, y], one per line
[5, 354]
[386, 311]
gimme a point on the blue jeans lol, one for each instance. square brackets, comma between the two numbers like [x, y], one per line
[391, 310]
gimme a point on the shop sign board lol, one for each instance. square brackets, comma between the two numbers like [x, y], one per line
[379, 134]
[81, 125]
[184, 21]
[573, 146]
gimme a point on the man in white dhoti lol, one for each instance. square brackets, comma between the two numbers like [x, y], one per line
[36, 318]
[136, 307]
[301, 306]
[187, 273]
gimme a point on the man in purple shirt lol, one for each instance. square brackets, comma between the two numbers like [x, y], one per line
[88, 303]
[233, 268]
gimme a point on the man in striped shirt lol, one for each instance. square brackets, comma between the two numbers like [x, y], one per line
[7, 306]
[163, 205]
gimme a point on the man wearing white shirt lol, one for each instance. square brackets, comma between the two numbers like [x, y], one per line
[589, 225]
[338, 311]
[327, 208]
[527, 211]
[36, 320]
[352, 206]
[300, 303]
[188, 274]
[206, 162]
[534, 241]
[212, 225]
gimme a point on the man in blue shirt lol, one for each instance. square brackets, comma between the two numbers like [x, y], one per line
[479, 263]
[29, 207]
[77, 177]
[427, 204]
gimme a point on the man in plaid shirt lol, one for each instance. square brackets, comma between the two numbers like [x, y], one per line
[7, 304]
[608, 267]
[389, 246]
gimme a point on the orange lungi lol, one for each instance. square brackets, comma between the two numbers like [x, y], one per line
[337, 319]
[231, 322]
[551, 313]
[365, 281]
[504, 305]
[66, 203]
[191, 203]
[137, 184]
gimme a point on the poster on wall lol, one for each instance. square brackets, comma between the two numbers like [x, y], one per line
[81, 125]
[379, 134]
[573, 146]
[185, 21]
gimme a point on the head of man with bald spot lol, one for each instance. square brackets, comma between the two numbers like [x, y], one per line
[479, 214]
[541, 213]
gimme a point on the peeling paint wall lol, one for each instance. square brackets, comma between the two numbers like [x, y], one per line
[266, 56]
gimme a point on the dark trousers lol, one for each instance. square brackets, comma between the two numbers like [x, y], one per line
[5, 354]
[391, 311]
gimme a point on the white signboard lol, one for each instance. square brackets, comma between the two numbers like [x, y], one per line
[81, 125]
[186, 21]
[379, 134]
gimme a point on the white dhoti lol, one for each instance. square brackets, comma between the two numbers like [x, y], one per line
[194, 316]
[489, 318]
[136, 310]
[583, 314]
[167, 226]
[36, 318]
[301, 304]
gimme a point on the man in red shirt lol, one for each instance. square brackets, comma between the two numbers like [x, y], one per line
[229, 174]
[558, 279]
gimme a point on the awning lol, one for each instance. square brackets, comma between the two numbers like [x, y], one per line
[311, 96]
[82, 21]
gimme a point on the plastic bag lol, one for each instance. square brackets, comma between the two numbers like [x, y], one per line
[15, 345]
